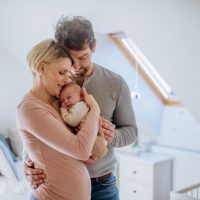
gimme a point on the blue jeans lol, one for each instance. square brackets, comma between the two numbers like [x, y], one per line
[105, 190]
[32, 198]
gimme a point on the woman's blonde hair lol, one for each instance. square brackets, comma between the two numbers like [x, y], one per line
[46, 51]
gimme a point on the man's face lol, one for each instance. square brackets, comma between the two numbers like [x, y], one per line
[82, 61]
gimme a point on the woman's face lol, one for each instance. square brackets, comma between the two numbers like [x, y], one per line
[55, 75]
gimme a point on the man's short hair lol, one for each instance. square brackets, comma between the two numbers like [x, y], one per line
[74, 33]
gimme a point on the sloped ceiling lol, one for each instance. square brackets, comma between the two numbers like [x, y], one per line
[167, 32]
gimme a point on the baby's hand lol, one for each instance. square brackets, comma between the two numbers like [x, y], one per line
[91, 102]
[93, 157]
[89, 161]
[99, 149]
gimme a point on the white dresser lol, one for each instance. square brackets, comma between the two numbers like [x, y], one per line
[146, 176]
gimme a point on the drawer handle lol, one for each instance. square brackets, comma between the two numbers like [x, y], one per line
[134, 172]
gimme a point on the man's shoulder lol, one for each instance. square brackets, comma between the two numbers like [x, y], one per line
[107, 73]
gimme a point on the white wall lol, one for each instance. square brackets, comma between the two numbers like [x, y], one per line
[185, 168]
[166, 31]
[179, 129]
[15, 80]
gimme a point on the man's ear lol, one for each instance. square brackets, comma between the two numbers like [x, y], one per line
[41, 67]
[94, 46]
[81, 96]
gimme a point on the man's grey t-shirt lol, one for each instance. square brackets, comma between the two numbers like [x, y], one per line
[113, 96]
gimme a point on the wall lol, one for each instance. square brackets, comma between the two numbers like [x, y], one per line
[185, 168]
[179, 129]
[166, 31]
[15, 80]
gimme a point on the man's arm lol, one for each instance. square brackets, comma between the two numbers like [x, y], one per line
[124, 131]
[35, 176]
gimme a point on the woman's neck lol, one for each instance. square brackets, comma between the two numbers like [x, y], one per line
[42, 94]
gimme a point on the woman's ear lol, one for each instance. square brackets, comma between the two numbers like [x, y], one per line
[41, 67]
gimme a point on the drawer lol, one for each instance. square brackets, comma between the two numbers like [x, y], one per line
[137, 191]
[134, 171]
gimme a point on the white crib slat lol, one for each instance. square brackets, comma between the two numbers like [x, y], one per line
[190, 193]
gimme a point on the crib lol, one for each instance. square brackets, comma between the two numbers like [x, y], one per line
[189, 193]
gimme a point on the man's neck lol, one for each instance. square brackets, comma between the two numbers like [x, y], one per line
[90, 71]
[80, 80]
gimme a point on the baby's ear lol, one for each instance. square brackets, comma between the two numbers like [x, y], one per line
[81, 96]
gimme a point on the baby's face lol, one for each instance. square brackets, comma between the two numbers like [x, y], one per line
[69, 97]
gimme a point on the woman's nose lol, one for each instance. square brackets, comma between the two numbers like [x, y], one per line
[66, 79]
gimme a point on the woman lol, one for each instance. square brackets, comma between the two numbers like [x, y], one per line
[49, 143]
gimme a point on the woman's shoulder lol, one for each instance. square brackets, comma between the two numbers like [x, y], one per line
[29, 102]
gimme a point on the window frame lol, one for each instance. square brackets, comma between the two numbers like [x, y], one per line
[168, 98]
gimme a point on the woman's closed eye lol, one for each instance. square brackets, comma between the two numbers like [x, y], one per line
[61, 72]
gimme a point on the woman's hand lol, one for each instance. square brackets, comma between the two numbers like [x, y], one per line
[91, 102]
[100, 146]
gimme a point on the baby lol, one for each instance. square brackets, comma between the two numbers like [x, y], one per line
[74, 109]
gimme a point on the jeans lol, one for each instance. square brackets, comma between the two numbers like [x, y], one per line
[105, 190]
[32, 198]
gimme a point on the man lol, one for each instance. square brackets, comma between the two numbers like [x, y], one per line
[111, 93]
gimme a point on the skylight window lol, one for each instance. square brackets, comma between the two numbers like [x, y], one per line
[147, 70]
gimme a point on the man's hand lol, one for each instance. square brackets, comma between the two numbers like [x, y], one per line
[35, 176]
[108, 130]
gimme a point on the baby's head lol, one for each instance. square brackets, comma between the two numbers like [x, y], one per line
[70, 94]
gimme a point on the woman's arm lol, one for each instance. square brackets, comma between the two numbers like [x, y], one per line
[41, 123]
[34, 118]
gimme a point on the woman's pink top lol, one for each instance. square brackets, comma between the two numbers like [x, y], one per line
[55, 149]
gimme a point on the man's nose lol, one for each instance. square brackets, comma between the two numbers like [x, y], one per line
[76, 64]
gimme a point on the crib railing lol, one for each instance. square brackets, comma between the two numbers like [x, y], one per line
[189, 193]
